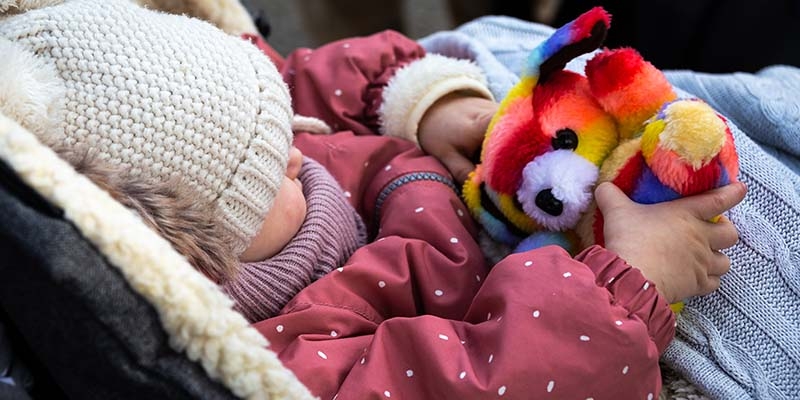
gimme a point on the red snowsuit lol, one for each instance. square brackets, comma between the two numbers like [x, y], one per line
[417, 313]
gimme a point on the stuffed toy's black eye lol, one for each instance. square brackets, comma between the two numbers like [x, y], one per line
[565, 139]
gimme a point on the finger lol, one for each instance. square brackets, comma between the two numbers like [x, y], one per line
[722, 234]
[711, 284]
[720, 264]
[609, 196]
[714, 202]
[485, 115]
[459, 166]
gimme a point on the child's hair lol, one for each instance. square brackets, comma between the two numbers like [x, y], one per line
[168, 207]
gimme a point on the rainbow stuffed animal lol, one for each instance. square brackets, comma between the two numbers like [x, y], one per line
[558, 133]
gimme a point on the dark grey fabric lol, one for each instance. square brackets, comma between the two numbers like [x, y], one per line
[24, 366]
[8, 392]
[94, 335]
[15, 379]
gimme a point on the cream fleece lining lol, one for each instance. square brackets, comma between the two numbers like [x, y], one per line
[194, 312]
[416, 87]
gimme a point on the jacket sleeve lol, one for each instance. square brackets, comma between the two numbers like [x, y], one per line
[417, 314]
[381, 83]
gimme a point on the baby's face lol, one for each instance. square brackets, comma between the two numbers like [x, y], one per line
[283, 220]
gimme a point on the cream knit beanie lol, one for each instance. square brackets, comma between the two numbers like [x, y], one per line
[160, 94]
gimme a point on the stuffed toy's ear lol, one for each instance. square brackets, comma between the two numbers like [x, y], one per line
[10, 7]
[628, 87]
[580, 36]
[31, 92]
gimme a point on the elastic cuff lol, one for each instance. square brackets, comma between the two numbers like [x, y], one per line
[631, 290]
[417, 86]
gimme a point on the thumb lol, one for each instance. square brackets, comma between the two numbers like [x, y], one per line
[459, 166]
[716, 201]
[609, 196]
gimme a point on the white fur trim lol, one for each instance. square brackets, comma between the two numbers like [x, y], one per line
[416, 87]
[571, 179]
[194, 312]
[301, 123]
[30, 90]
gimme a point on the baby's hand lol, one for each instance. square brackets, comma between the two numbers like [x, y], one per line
[672, 243]
[452, 130]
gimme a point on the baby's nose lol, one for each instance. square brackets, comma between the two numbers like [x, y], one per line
[294, 163]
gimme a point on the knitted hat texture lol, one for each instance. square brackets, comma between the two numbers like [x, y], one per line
[164, 95]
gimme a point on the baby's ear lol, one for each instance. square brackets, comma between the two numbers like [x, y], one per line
[31, 92]
[10, 7]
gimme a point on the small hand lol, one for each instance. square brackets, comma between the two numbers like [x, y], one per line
[672, 243]
[453, 129]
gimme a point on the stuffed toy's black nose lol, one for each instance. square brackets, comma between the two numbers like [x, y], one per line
[549, 203]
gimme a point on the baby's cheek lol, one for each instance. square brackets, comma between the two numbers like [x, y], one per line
[280, 225]
[293, 204]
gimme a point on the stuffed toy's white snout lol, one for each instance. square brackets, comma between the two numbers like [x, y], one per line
[556, 188]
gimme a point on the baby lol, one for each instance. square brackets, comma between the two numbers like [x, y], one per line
[352, 252]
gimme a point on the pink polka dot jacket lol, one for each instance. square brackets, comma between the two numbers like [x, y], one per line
[417, 313]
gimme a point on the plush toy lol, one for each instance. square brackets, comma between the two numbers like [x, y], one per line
[558, 133]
